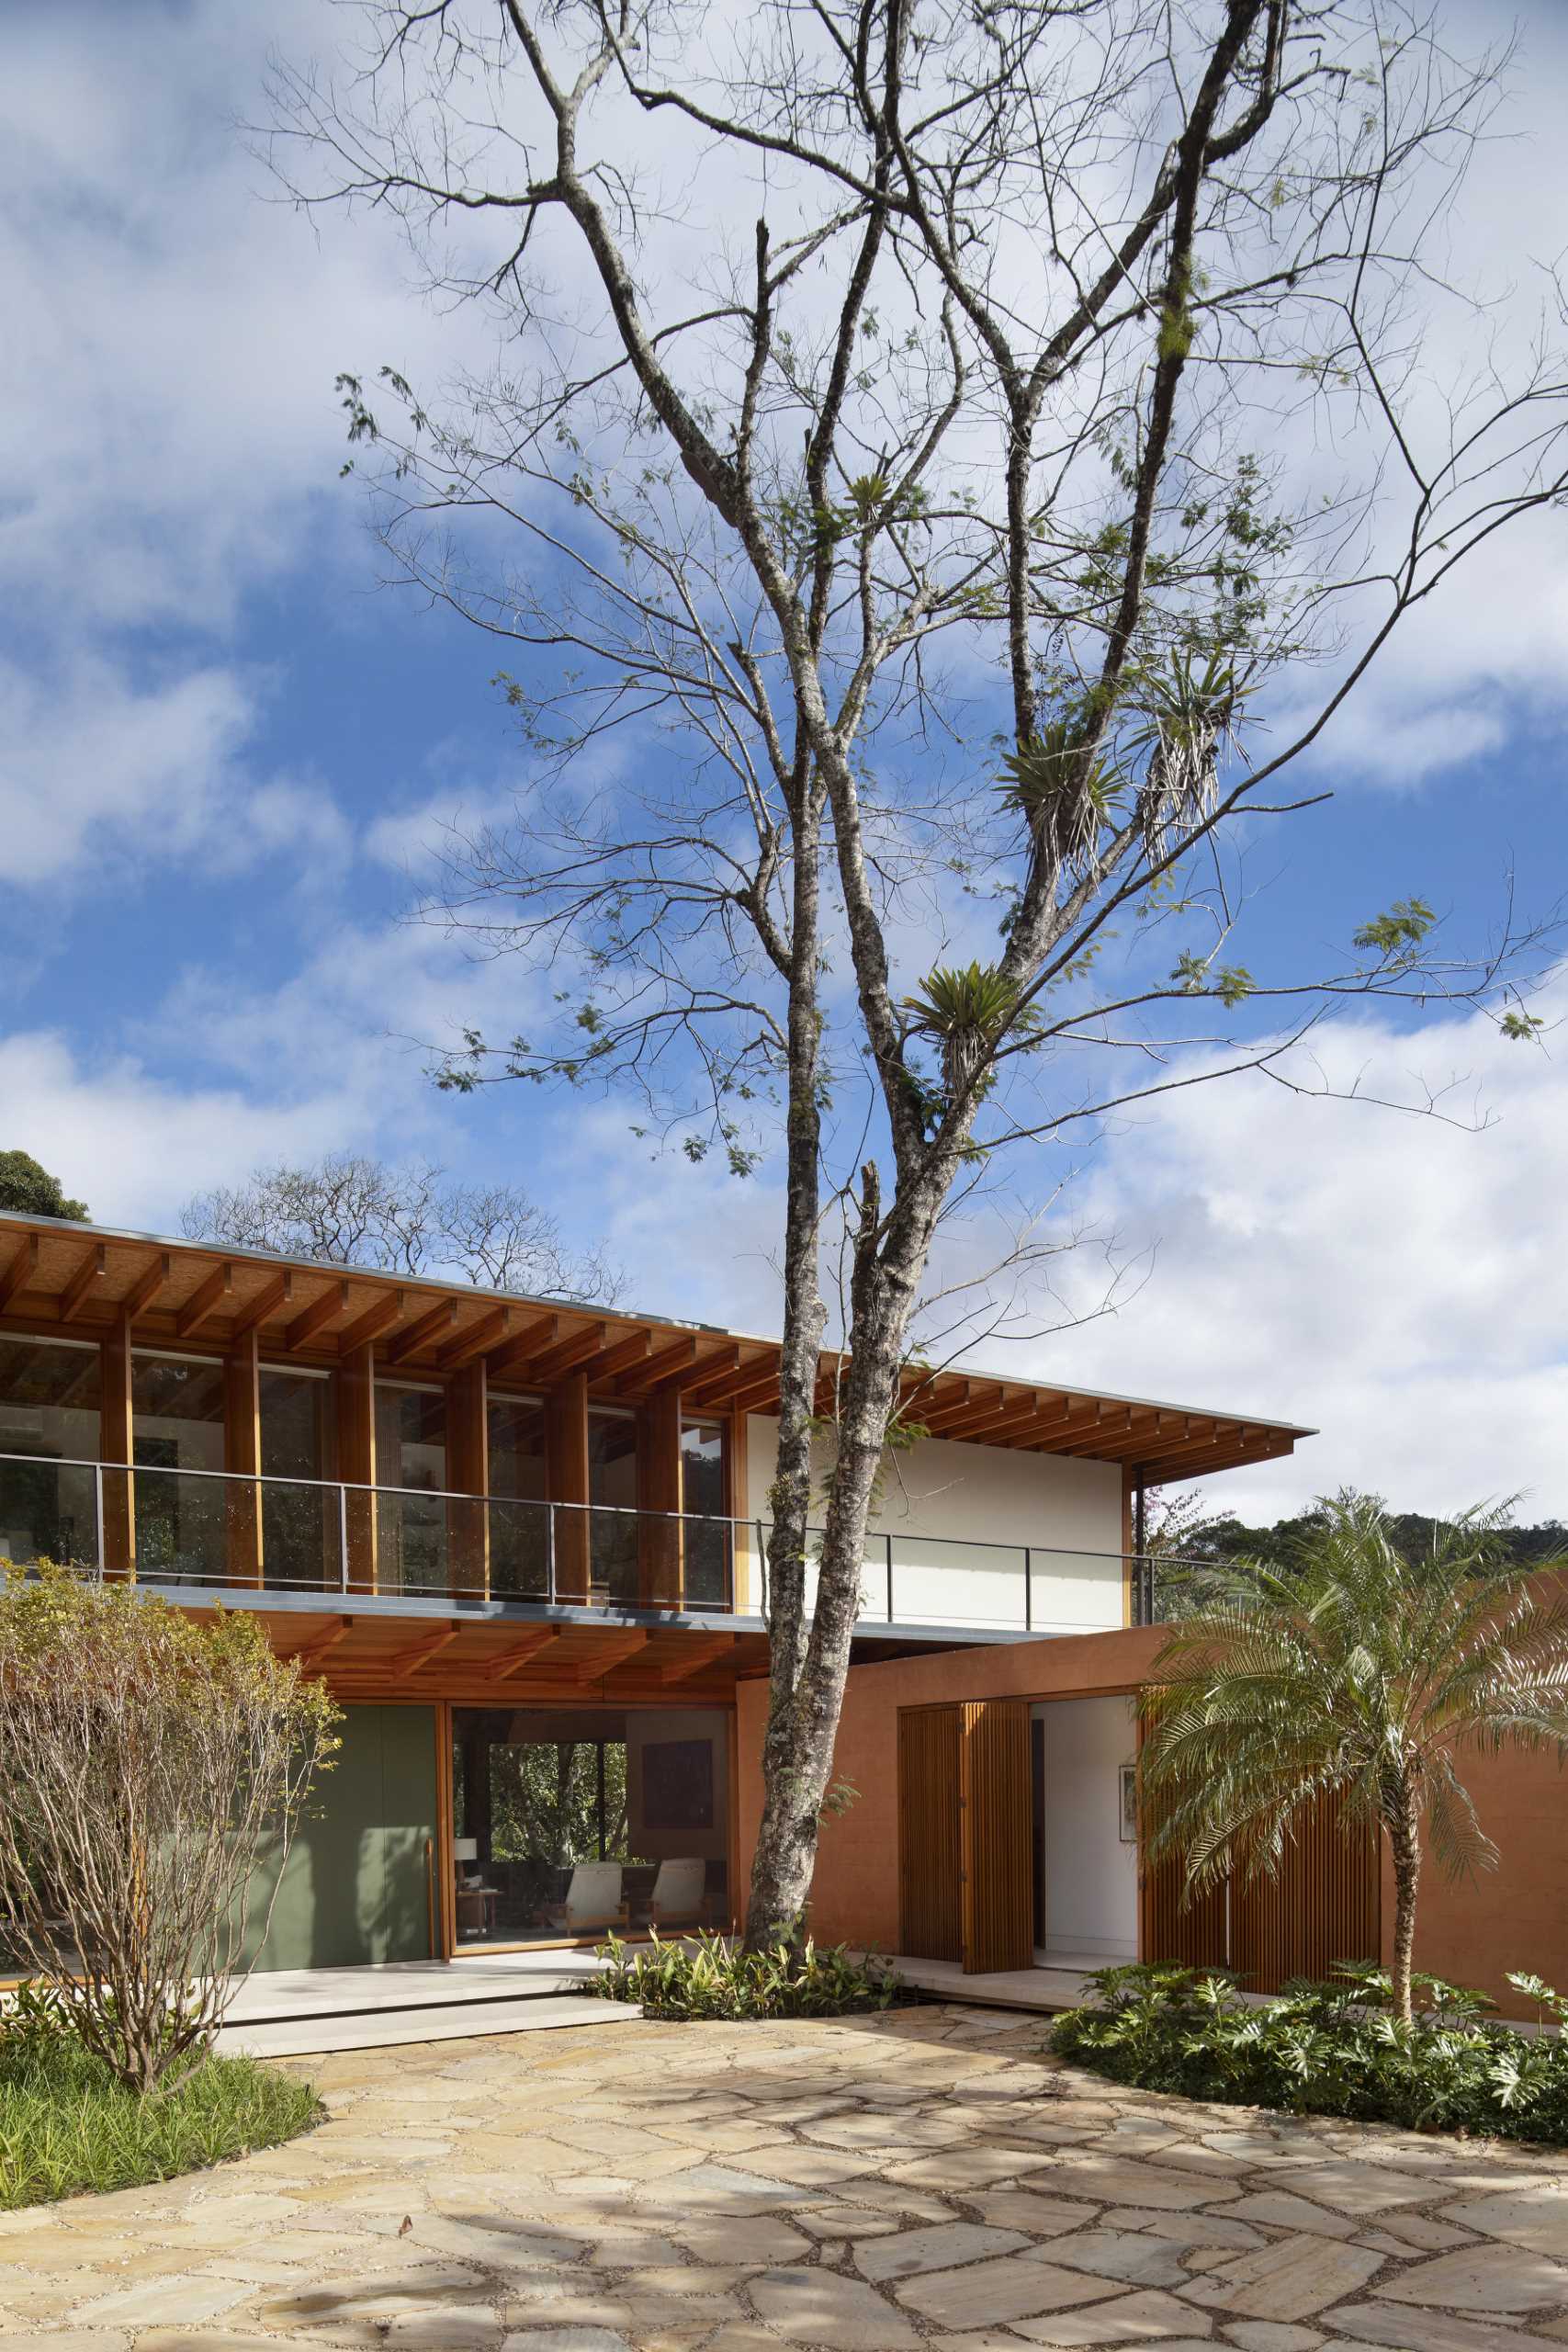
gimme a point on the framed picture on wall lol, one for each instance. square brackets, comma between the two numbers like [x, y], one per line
[1127, 1816]
[677, 1784]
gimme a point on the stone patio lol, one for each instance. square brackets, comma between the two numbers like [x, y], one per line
[930, 2177]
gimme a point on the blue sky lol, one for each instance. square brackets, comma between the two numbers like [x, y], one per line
[221, 745]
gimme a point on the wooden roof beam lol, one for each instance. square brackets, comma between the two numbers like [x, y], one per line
[752, 1399]
[633, 1349]
[476, 1341]
[424, 1327]
[19, 1273]
[722, 1386]
[522, 1653]
[720, 1360]
[277, 1293]
[408, 1661]
[93, 1265]
[655, 1368]
[610, 1655]
[976, 1408]
[373, 1322]
[697, 1654]
[310, 1657]
[332, 1302]
[204, 1299]
[569, 1355]
[147, 1285]
[512, 1361]
[1052, 1436]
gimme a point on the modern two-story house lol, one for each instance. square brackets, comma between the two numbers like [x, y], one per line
[524, 1542]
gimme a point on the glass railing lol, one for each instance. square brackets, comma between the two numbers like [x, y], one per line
[220, 1529]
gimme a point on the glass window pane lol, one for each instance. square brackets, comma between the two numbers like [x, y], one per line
[702, 1468]
[299, 1532]
[178, 1425]
[48, 1409]
[517, 1449]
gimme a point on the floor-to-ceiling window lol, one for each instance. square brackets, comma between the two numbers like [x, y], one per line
[410, 1472]
[519, 1513]
[49, 1413]
[563, 1819]
[300, 1537]
[612, 1492]
[177, 1423]
[704, 1495]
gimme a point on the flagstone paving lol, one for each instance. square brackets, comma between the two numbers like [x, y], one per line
[930, 2177]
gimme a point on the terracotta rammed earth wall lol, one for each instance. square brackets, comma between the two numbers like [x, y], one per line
[1514, 1916]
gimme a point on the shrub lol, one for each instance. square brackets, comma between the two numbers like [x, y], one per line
[68, 2123]
[709, 1977]
[1329, 2049]
[146, 1758]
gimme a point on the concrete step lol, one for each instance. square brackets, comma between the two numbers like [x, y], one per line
[389, 2029]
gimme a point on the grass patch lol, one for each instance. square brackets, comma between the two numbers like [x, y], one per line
[708, 1977]
[1329, 2049]
[66, 2125]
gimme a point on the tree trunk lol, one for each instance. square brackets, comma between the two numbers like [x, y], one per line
[1404, 1841]
[782, 1864]
[803, 1729]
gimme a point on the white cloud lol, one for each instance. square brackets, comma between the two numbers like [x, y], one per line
[86, 754]
[1397, 1282]
[134, 1146]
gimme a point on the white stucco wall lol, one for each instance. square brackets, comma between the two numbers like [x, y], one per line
[1091, 1878]
[960, 1517]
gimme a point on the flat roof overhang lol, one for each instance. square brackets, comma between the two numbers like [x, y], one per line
[494, 1652]
[78, 1281]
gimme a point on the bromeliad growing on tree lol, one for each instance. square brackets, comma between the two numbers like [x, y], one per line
[985, 451]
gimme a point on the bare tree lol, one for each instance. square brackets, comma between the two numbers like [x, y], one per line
[894, 591]
[149, 1762]
[350, 1211]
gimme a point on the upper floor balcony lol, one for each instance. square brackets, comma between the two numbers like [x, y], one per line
[210, 1534]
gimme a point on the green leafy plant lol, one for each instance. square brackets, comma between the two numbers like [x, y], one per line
[68, 2124]
[1360, 1672]
[1334, 2048]
[707, 1978]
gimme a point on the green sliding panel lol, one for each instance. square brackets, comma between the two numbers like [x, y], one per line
[355, 1888]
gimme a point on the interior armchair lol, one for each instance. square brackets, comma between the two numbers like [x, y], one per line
[678, 1894]
[593, 1899]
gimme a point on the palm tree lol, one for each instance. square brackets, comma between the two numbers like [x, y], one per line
[1360, 1673]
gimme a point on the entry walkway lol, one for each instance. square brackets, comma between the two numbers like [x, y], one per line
[304, 2012]
[925, 2177]
[1043, 1990]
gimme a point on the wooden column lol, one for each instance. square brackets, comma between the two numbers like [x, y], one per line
[356, 1460]
[116, 1443]
[241, 1453]
[468, 1473]
[566, 1441]
[659, 1548]
[745, 1570]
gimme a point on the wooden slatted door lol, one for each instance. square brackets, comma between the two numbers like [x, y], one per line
[1326, 1904]
[997, 1820]
[930, 1912]
[1193, 1934]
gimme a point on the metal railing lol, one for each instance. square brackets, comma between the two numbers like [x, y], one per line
[226, 1529]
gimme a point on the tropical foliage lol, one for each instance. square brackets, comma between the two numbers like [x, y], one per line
[68, 2124]
[707, 1976]
[1329, 2049]
[1360, 1672]
[148, 1760]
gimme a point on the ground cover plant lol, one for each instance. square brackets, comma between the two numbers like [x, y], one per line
[708, 1977]
[68, 2124]
[1334, 2048]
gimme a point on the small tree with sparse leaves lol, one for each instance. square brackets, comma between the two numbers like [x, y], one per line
[148, 1759]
